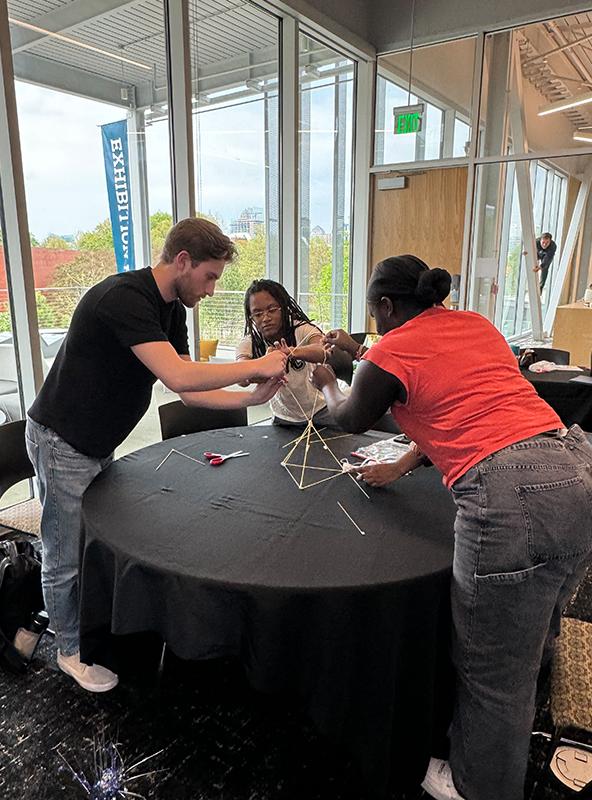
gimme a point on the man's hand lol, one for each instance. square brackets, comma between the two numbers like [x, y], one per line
[380, 474]
[322, 375]
[536, 269]
[265, 391]
[272, 365]
[342, 340]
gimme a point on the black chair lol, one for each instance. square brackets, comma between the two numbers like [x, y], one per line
[15, 467]
[548, 354]
[360, 338]
[177, 419]
[343, 366]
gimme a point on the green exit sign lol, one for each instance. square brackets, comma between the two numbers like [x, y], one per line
[408, 118]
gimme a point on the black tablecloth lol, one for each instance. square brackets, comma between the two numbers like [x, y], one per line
[571, 400]
[237, 560]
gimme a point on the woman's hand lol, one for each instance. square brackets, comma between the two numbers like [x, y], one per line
[380, 474]
[264, 391]
[322, 375]
[342, 340]
[282, 346]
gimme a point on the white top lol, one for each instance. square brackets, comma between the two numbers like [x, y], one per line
[283, 403]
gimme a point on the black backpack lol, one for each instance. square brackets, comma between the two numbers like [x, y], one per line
[20, 594]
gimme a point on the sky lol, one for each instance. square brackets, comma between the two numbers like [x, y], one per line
[64, 171]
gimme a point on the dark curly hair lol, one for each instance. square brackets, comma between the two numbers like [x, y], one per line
[292, 315]
[408, 279]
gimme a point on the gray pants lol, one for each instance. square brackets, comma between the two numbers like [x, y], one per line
[523, 537]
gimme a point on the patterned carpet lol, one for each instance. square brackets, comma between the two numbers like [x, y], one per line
[210, 736]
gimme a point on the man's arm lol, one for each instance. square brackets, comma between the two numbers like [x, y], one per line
[180, 375]
[222, 398]
[373, 392]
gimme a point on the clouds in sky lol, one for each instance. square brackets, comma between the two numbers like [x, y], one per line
[64, 170]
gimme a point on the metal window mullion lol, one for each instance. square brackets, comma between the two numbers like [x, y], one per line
[339, 191]
[470, 200]
[21, 281]
[289, 118]
[139, 187]
[178, 53]
[360, 227]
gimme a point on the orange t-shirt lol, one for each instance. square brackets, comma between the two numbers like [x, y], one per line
[466, 397]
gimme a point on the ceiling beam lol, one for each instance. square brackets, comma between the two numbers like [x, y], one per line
[62, 19]
[53, 75]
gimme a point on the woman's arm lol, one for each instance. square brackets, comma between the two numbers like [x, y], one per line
[339, 339]
[315, 352]
[372, 394]
[383, 474]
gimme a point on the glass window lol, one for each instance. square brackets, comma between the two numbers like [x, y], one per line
[547, 64]
[109, 69]
[325, 170]
[236, 146]
[499, 260]
[441, 82]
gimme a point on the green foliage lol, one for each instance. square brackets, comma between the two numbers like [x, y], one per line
[5, 324]
[101, 238]
[160, 224]
[54, 242]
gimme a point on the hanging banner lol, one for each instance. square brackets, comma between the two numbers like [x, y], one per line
[117, 172]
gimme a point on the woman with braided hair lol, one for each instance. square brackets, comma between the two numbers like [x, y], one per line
[522, 485]
[274, 320]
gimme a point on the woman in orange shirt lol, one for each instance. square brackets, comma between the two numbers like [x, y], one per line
[523, 489]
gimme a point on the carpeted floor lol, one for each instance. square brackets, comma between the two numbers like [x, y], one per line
[210, 736]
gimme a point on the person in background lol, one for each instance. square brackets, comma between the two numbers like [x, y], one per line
[274, 320]
[522, 485]
[126, 332]
[546, 249]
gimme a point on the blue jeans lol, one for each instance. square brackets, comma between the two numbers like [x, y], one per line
[63, 475]
[523, 537]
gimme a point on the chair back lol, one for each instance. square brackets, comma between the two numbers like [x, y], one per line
[14, 461]
[360, 338]
[207, 348]
[548, 354]
[177, 419]
[344, 368]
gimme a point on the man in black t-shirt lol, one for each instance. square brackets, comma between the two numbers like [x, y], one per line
[546, 249]
[126, 332]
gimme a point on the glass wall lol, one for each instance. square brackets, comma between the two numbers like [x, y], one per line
[536, 88]
[236, 150]
[500, 252]
[326, 93]
[112, 69]
[10, 398]
[441, 83]
[535, 100]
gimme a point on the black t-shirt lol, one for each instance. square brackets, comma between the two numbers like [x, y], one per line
[546, 254]
[97, 390]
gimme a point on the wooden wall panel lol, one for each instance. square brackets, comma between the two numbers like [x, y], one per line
[425, 219]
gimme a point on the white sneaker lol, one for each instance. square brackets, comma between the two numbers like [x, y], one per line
[93, 679]
[438, 781]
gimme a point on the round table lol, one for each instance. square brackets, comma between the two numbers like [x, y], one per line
[570, 399]
[237, 560]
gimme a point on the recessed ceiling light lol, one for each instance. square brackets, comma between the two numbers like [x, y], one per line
[565, 103]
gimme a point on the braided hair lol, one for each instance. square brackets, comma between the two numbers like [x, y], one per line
[409, 280]
[292, 315]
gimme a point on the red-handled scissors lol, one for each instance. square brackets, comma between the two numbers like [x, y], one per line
[216, 459]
